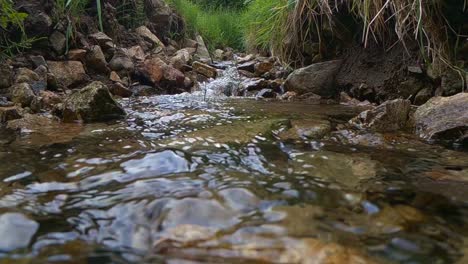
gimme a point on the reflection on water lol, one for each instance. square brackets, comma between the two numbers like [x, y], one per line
[187, 179]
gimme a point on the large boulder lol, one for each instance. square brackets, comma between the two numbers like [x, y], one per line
[318, 78]
[91, 104]
[443, 118]
[390, 116]
[68, 73]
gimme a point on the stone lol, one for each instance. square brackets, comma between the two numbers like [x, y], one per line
[254, 84]
[6, 76]
[318, 78]
[22, 94]
[4, 102]
[38, 61]
[266, 93]
[181, 58]
[423, 96]
[136, 53]
[153, 69]
[263, 67]
[16, 231]
[52, 83]
[415, 69]
[218, 54]
[452, 83]
[96, 60]
[77, 55]
[25, 75]
[102, 40]
[50, 99]
[202, 54]
[444, 118]
[390, 116]
[204, 69]
[68, 73]
[115, 77]
[146, 34]
[9, 113]
[38, 23]
[92, 103]
[119, 89]
[248, 66]
[121, 63]
[144, 90]
[173, 77]
[306, 129]
[288, 96]
[190, 43]
[58, 42]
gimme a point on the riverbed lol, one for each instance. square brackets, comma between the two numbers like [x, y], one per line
[227, 180]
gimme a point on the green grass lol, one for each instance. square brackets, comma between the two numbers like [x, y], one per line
[219, 28]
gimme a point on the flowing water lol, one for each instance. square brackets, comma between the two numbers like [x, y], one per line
[197, 178]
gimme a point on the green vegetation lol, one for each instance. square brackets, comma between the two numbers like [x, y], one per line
[220, 28]
[11, 20]
[288, 27]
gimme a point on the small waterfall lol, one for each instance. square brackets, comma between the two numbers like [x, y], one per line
[228, 84]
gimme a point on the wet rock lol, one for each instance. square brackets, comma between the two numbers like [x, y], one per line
[390, 116]
[202, 54]
[91, 104]
[254, 84]
[96, 61]
[392, 219]
[119, 89]
[317, 78]
[68, 73]
[16, 231]
[121, 63]
[288, 96]
[306, 129]
[6, 76]
[266, 93]
[77, 55]
[22, 94]
[248, 66]
[153, 69]
[145, 33]
[204, 69]
[246, 74]
[443, 117]
[25, 75]
[423, 96]
[58, 42]
[144, 90]
[8, 113]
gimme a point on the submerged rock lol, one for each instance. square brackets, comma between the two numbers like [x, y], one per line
[306, 129]
[390, 116]
[443, 118]
[90, 104]
[16, 231]
[317, 78]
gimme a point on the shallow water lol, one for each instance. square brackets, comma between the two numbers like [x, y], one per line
[184, 179]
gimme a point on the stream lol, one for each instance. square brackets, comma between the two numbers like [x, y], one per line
[200, 177]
